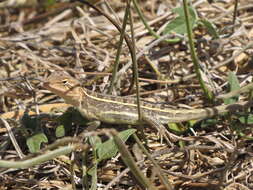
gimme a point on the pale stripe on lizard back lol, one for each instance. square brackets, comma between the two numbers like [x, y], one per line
[114, 109]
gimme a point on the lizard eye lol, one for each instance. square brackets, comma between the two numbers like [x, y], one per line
[65, 82]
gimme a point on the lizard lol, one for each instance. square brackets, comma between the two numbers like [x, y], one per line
[123, 110]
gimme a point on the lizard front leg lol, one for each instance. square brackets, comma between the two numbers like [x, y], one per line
[94, 123]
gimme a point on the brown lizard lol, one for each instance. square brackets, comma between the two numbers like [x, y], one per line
[121, 110]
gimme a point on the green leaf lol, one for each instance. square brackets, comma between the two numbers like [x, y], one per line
[34, 142]
[181, 144]
[177, 128]
[208, 123]
[93, 173]
[48, 3]
[233, 82]
[60, 131]
[178, 24]
[246, 119]
[109, 149]
[180, 12]
[248, 138]
[192, 123]
[211, 28]
[95, 141]
[233, 85]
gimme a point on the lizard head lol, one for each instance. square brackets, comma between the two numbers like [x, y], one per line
[64, 86]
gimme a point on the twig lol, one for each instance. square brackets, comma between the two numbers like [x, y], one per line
[157, 167]
[12, 137]
[129, 161]
[235, 15]
[116, 65]
[135, 66]
[142, 52]
[39, 159]
[194, 57]
[246, 88]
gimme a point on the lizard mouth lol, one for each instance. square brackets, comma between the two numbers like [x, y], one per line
[47, 86]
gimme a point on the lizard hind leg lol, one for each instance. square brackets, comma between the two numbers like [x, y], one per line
[164, 133]
[93, 125]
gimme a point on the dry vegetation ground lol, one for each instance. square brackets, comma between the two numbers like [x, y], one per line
[79, 40]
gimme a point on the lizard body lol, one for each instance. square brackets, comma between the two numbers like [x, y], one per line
[122, 110]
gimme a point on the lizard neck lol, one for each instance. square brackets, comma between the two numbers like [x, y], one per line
[73, 97]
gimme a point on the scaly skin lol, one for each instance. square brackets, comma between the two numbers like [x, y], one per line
[121, 110]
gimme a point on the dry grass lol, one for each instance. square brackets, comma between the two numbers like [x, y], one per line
[84, 43]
